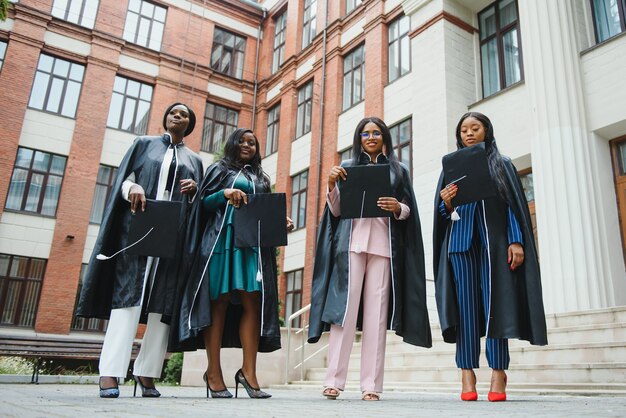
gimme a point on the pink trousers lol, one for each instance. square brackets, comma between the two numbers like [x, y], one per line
[370, 274]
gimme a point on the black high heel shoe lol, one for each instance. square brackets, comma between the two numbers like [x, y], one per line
[256, 393]
[112, 392]
[223, 394]
[145, 392]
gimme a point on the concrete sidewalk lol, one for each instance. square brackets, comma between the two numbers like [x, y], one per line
[81, 400]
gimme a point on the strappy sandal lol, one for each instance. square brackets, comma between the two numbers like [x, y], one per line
[371, 396]
[331, 392]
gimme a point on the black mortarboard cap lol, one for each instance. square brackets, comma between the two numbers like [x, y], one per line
[154, 232]
[360, 191]
[469, 170]
[265, 213]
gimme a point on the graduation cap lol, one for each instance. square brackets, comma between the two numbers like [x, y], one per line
[468, 168]
[154, 231]
[360, 191]
[262, 222]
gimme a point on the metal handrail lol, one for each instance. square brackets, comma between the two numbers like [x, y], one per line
[289, 321]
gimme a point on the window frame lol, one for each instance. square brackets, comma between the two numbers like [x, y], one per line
[28, 183]
[65, 14]
[292, 293]
[402, 37]
[298, 200]
[499, 34]
[354, 68]
[212, 147]
[138, 127]
[351, 5]
[50, 86]
[401, 145]
[4, 52]
[304, 109]
[108, 186]
[6, 279]
[621, 9]
[280, 36]
[132, 36]
[273, 130]
[233, 70]
[309, 26]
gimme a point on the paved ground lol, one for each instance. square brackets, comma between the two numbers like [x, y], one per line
[81, 400]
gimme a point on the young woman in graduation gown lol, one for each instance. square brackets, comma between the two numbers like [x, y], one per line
[128, 289]
[370, 266]
[486, 270]
[231, 296]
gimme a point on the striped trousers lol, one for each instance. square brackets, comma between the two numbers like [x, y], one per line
[473, 288]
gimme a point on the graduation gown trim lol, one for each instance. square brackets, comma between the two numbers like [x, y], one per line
[516, 306]
[118, 282]
[195, 304]
[408, 314]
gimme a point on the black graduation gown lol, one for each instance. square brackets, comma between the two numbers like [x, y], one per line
[408, 313]
[516, 302]
[118, 282]
[194, 300]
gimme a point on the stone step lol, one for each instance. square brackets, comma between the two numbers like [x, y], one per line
[590, 317]
[556, 353]
[580, 373]
[588, 333]
[569, 389]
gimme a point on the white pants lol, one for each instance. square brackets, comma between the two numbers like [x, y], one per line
[118, 344]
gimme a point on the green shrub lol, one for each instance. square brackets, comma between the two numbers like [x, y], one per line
[15, 365]
[174, 369]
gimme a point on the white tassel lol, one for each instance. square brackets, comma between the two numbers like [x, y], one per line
[104, 257]
[455, 215]
[259, 272]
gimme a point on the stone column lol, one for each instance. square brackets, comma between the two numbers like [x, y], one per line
[572, 240]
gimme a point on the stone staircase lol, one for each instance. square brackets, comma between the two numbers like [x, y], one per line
[586, 355]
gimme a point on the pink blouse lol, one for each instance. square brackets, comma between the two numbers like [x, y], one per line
[369, 235]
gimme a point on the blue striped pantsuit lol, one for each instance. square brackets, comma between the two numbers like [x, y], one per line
[471, 277]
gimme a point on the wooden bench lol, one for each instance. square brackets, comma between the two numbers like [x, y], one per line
[42, 348]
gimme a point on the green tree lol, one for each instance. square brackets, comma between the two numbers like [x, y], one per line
[4, 9]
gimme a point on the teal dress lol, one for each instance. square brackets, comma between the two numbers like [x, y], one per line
[231, 268]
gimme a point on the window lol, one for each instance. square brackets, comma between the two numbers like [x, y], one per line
[609, 17]
[346, 154]
[279, 41]
[145, 22]
[57, 86]
[273, 121]
[130, 106]
[308, 22]
[20, 286]
[526, 178]
[500, 49]
[228, 53]
[298, 199]
[36, 182]
[399, 48]
[3, 50]
[293, 295]
[86, 324]
[219, 123]
[353, 77]
[305, 109]
[351, 5]
[104, 182]
[81, 12]
[401, 140]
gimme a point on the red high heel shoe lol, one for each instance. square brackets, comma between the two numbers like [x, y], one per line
[497, 396]
[472, 395]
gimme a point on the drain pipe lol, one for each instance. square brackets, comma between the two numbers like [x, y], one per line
[256, 60]
[321, 136]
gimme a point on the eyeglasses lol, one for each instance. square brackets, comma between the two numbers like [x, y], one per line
[374, 134]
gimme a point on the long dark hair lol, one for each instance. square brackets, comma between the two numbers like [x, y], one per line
[357, 148]
[231, 160]
[494, 159]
